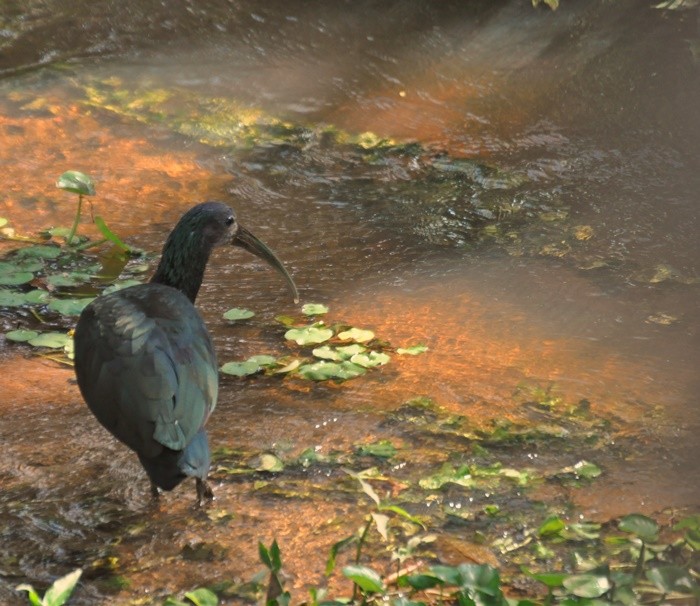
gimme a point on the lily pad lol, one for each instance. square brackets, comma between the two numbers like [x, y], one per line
[238, 314]
[314, 309]
[40, 251]
[587, 585]
[241, 369]
[69, 307]
[68, 279]
[358, 335]
[323, 371]
[642, 526]
[370, 359]
[76, 182]
[267, 462]
[52, 340]
[15, 278]
[328, 353]
[308, 335]
[21, 335]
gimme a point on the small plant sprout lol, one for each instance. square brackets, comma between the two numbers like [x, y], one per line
[57, 594]
[79, 183]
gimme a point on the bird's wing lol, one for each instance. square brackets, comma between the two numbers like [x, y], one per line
[146, 367]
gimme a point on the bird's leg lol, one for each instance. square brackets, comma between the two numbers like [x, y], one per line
[204, 491]
[155, 493]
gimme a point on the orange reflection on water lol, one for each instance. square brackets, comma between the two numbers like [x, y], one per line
[137, 180]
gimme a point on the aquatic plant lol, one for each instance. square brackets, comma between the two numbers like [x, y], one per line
[53, 274]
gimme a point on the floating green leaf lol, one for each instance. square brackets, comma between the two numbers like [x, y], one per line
[76, 182]
[241, 369]
[309, 335]
[356, 334]
[3, 221]
[21, 335]
[52, 340]
[15, 278]
[583, 469]
[69, 307]
[370, 359]
[328, 353]
[65, 280]
[412, 350]
[314, 309]
[322, 371]
[40, 251]
[238, 314]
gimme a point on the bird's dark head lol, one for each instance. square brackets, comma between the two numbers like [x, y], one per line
[197, 233]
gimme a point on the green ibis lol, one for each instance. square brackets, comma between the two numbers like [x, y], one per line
[145, 362]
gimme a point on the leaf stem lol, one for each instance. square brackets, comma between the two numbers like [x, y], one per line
[73, 229]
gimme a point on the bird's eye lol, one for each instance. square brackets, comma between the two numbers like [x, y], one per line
[229, 221]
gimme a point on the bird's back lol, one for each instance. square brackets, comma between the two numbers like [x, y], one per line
[147, 369]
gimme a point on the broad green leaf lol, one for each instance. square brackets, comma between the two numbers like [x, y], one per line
[60, 591]
[20, 264]
[552, 526]
[240, 369]
[314, 309]
[21, 335]
[238, 314]
[550, 579]
[76, 182]
[40, 251]
[285, 320]
[348, 351]
[322, 371]
[263, 360]
[423, 581]
[412, 350]
[642, 526]
[587, 585]
[69, 307]
[68, 279]
[308, 335]
[365, 578]
[673, 578]
[16, 279]
[358, 335]
[370, 359]
[275, 556]
[326, 352]
[10, 298]
[264, 554]
[52, 340]
[202, 597]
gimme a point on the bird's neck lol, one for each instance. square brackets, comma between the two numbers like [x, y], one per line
[182, 266]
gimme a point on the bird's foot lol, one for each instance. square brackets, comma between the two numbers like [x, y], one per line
[204, 491]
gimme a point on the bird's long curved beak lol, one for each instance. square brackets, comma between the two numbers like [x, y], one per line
[252, 244]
